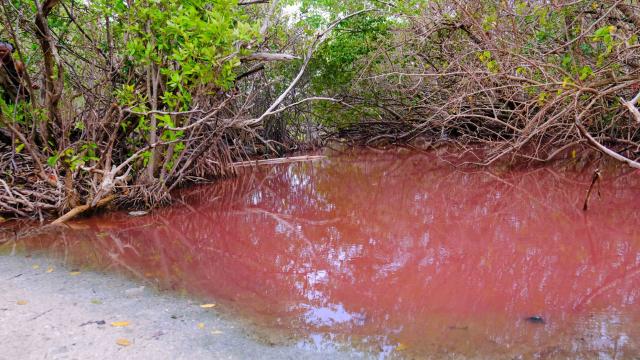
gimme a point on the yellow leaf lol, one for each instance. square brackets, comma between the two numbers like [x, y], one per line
[74, 273]
[120, 323]
[22, 302]
[216, 332]
[573, 154]
[50, 270]
[96, 302]
[123, 342]
[207, 306]
[36, 267]
[401, 347]
[200, 325]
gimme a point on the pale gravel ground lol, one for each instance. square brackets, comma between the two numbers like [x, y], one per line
[50, 325]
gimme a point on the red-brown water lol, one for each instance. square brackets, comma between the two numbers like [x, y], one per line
[398, 254]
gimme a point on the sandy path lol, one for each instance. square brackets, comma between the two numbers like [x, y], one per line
[69, 316]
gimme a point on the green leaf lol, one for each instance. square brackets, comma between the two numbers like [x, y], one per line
[585, 72]
[52, 160]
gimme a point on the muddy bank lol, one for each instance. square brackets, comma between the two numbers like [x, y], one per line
[63, 314]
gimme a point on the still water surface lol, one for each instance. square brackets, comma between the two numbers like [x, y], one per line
[396, 254]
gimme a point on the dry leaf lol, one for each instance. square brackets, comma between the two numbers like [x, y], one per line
[401, 347]
[123, 342]
[96, 302]
[22, 302]
[200, 325]
[50, 269]
[74, 273]
[120, 323]
[36, 267]
[207, 306]
[216, 332]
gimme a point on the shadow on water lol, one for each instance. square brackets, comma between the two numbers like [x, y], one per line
[396, 253]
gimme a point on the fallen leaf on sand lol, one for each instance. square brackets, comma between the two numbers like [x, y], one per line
[207, 306]
[50, 270]
[36, 267]
[401, 347]
[216, 332]
[96, 302]
[200, 325]
[74, 273]
[22, 302]
[120, 323]
[123, 342]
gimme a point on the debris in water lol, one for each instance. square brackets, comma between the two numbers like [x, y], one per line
[138, 213]
[535, 319]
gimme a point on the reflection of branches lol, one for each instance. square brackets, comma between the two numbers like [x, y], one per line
[281, 217]
[115, 259]
[585, 300]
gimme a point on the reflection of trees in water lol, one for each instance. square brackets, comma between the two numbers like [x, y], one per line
[390, 244]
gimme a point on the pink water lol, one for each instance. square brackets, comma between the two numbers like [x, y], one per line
[396, 254]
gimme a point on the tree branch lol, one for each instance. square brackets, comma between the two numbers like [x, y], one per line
[262, 56]
[320, 37]
[631, 106]
[604, 149]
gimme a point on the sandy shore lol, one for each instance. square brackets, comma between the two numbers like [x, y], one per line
[49, 312]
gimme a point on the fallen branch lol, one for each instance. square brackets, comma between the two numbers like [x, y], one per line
[81, 209]
[284, 160]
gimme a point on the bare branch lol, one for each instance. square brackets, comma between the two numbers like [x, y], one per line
[604, 149]
[320, 37]
[631, 106]
[252, 2]
[262, 56]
